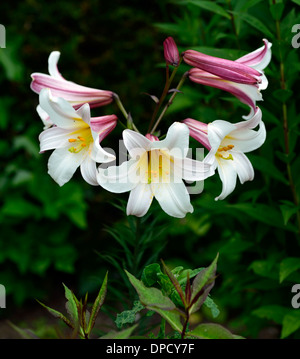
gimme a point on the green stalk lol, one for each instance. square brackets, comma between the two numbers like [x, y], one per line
[169, 80]
[130, 123]
[169, 103]
[286, 127]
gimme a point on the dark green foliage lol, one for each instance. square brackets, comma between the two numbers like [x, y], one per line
[48, 232]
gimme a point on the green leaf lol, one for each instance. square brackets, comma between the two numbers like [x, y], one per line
[211, 331]
[254, 22]
[288, 209]
[209, 303]
[282, 95]
[57, 314]
[288, 266]
[277, 10]
[149, 275]
[71, 305]
[97, 304]
[128, 316]
[263, 213]
[262, 164]
[153, 299]
[202, 284]
[291, 323]
[123, 334]
[296, 2]
[210, 6]
[272, 312]
[175, 283]
[150, 297]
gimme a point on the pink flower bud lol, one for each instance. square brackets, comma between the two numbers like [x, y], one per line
[171, 52]
[151, 137]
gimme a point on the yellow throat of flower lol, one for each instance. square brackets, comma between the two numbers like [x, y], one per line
[225, 149]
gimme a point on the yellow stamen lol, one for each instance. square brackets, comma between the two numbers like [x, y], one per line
[72, 140]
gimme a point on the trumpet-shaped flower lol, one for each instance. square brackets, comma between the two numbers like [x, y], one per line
[75, 139]
[76, 94]
[156, 169]
[227, 144]
[245, 92]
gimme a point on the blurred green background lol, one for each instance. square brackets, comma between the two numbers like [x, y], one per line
[51, 235]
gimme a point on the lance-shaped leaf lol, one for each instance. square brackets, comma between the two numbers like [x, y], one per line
[72, 305]
[57, 314]
[153, 299]
[97, 304]
[123, 334]
[175, 283]
[202, 285]
[211, 331]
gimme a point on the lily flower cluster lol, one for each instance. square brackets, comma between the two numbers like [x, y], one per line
[156, 168]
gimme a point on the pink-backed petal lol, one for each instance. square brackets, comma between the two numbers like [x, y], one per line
[103, 125]
[247, 94]
[226, 69]
[198, 130]
[258, 59]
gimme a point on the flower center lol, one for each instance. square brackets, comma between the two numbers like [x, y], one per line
[158, 167]
[225, 149]
[80, 142]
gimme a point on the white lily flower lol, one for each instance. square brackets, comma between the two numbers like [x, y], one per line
[156, 169]
[229, 143]
[75, 139]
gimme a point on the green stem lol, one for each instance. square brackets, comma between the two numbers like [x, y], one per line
[169, 80]
[136, 245]
[130, 123]
[185, 324]
[286, 128]
[169, 103]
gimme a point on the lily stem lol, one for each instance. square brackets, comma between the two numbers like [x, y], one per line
[127, 116]
[169, 80]
[169, 103]
[286, 128]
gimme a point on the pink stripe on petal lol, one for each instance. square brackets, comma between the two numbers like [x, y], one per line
[226, 69]
[198, 130]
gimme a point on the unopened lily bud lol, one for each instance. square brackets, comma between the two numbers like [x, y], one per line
[171, 52]
[151, 137]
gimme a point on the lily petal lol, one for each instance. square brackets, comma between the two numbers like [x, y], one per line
[135, 143]
[173, 198]
[243, 167]
[61, 113]
[62, 164]
[140, 199]
[228, 176]
[54, 137]
[176, 141]
[88, 170]
[118, 179]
